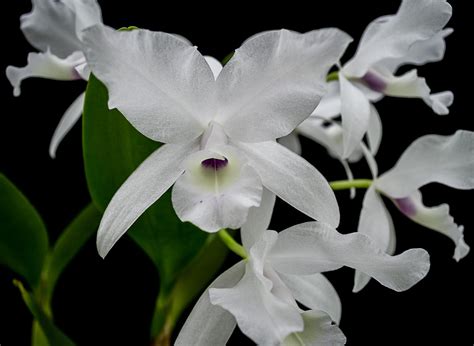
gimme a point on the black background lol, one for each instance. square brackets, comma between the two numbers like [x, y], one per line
[111, 301]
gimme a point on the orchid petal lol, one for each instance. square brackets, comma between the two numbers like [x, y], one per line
[392, 37]
[260, 313]
[87, 13]
[294, 180]
[291, 142]
[376, 223]
[146, 184]
[350, 177]
[209, 324]
[355, 112]
[315, 292]
[318, 331]
[44, 65]
[448, 160]
[161, 84]
[258, 220]
[314, 247]
[330, 105]
[440, 102]
[70, 117]
[215, 65]
[274, 81]
[216, 198]
[374, 131]
[436, 218]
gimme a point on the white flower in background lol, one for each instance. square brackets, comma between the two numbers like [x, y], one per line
[413, 36]
[447, 160]
[259, 293]
[54, 28]
[219, 133]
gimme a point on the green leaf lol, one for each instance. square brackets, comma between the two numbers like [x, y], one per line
[37, 335]
[23, 236]
[191, 282]
[113, 149]
[67, 246]
[55, 336]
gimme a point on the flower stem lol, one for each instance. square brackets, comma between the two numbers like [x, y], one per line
[232, 244]
[348, 184]
[332, 76]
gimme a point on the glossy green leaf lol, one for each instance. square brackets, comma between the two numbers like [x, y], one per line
[23, 236]
[191, 282]
[55, 336]
[67, 246]
[113, 149]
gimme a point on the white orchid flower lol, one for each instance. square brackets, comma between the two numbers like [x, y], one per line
[448, 160]
[414, 36]
[219, 133]
[54, 28]
[260, 293]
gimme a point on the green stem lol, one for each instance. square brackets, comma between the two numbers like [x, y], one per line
[349, 184]
[332, 76]
[232, 244]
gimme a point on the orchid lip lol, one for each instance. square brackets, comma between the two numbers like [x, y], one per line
[215, 164]
[374, 82]
[406, 206]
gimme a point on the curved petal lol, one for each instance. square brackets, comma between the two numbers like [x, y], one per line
[318, 331]
[448, 160]
[291, 142]
[55, 25]
[294, 180]
[330, 105]
[209, 324]
[355, 112]
[260, 313]
[258, 220]
[146, 184]
[435, 218]
[214, 64]
[315, 292]
[350, 177]
[45, 65]
[70, 117]
[314, 247]
[374, 131]
[392, 37]
[161, 84]
[274, 81]
[440, 102]
[376, 223]
[215, 197]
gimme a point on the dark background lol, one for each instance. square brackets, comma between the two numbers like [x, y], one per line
[111, 301]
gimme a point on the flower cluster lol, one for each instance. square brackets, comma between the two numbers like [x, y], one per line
[230, 147]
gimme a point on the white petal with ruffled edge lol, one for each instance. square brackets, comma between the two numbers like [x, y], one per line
[318, 331]
[355, 112]
[209, 324]
[274, 81]
[258, 220]
[293, 179]
[216, 198]
[436, 218]
[170, 99]
[315, 292]
[45, 65]
[314, 247]
[392, 37]
[330, 105]
[261, 315]
[87, 13]
[70, 117]
[448, 160]
[141, 189]
[376, 223]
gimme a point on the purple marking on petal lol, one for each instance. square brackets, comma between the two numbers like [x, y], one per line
[374, 81]
[406, 206]
[215, 164]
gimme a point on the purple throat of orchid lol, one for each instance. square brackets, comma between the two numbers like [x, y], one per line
[374, 82]
[406, 206]
[215, 164]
